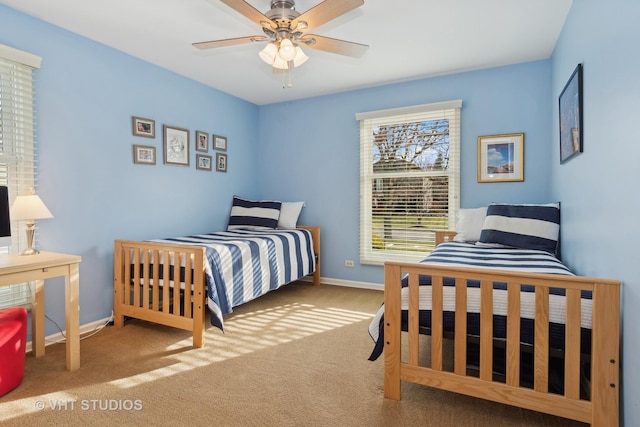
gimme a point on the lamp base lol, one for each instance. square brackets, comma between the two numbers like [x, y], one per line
[30, 251]
[31, 229]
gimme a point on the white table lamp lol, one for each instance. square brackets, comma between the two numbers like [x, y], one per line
[29, 208]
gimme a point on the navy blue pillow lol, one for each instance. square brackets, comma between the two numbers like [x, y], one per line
[254, 215]
[522, 226]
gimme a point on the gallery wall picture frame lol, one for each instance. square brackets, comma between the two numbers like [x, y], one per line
[204, 162]
[143, 127]
[202, 141]
[221, 162]
[219, 142]
[144, 154]
[570, 116]
[501, 158]
[176, 146]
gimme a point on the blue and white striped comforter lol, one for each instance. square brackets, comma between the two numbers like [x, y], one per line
[243, 265]
[454, 254]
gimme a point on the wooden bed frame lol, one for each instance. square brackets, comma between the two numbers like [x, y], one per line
[603, 407]
[160, 304]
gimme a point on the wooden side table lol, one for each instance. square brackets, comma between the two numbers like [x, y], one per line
[37, 268]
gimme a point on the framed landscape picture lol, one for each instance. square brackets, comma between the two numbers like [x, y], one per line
[501, 157]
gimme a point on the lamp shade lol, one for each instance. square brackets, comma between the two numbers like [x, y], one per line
[268, 54]
[287, 50]
[280, 63]
[300, 57]
[29, 207]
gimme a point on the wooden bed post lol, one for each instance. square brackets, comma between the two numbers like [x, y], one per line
[392, 330]
[605, 369]
[118, 318]
[315, 233]
[199, 299]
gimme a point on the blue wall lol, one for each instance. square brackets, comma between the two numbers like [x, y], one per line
[600, 206]
[317, 158]
[308, 150]
[86, 95]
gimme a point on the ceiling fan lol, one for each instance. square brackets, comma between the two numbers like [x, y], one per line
[285, 30]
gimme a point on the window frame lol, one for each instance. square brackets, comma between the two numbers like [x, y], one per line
[17, 150]
[449, 110]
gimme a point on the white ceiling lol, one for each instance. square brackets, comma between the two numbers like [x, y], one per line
[408, 39]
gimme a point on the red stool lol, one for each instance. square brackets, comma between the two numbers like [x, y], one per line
[13, 340]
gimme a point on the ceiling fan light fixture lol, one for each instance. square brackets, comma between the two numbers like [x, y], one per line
[287, 50]
[280, 63]
[269, 53]
[300, 57]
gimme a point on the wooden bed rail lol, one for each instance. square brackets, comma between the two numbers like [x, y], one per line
[602, 408]
[138, 295]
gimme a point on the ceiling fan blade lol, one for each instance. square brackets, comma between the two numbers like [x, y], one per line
[341, 47]
[250, 12]
[229, 42]
[324, 12]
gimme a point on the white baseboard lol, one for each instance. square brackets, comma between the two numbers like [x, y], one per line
[58, 337]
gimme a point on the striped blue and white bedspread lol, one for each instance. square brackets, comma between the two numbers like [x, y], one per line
[454, 254]
[242, 265]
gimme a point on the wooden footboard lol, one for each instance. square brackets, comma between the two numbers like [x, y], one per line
[138, 295]
[602, 408]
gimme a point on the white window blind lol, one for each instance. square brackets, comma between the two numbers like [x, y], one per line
[409, 179]
[17, 149]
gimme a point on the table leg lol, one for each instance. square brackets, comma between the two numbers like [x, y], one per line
[72, 316]
[37, 320]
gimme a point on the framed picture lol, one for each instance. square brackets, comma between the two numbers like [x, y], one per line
[176, 146]
[144, 155]
[570, 108]
[220, 142]
[501, 157]
[143, 127]
[203, 162]
[202, 141]
[221, 162]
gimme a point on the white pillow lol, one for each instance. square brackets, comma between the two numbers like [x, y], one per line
[289, 213]
[469, 226]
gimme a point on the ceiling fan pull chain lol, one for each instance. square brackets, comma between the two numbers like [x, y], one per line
[286, 78]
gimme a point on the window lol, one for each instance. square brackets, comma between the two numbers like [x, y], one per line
[17, 148]
[409, 179]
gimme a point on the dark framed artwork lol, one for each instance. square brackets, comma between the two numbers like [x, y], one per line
[570, 109]
[176, 146]
[501, 157]
[143, 127]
